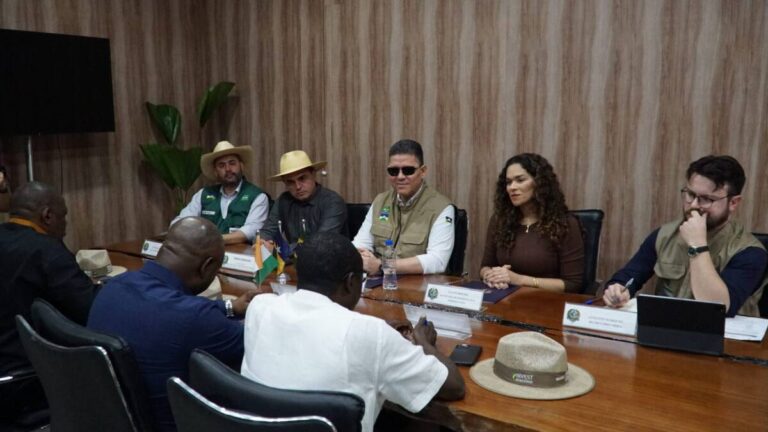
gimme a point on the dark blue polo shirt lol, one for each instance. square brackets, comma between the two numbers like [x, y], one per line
[162, 323]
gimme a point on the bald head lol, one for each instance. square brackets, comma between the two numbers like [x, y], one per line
[194, 250]
[41, 204]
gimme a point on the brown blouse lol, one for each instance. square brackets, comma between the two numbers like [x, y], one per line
[537, 256]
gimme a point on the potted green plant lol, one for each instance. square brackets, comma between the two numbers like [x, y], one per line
[179, 168]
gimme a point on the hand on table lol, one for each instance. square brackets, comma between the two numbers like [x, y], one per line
[371, 264]
[404, 327]
[616, 295]
[424, 333]
[240, 304]
[501, 277]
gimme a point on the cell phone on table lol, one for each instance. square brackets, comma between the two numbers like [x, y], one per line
[465, 354]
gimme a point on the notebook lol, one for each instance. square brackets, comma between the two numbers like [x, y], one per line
[491, 295]
[680, 324]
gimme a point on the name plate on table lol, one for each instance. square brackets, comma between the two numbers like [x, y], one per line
[600, 318]
[239, 262]
[447, 324]
[150, 248]
[446, 295]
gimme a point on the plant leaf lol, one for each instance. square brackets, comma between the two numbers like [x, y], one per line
[212, 99]
[183, 165]
[154, 154]
[167, 118]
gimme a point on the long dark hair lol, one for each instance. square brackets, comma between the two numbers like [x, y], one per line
[547, 195]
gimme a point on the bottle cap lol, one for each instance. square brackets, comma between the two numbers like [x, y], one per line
[388, 242]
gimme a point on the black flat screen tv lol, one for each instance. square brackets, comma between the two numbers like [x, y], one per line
[54, 83]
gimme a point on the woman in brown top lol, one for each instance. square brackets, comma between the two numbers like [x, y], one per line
[532, 240]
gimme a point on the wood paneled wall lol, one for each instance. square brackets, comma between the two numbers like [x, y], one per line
[619, 95]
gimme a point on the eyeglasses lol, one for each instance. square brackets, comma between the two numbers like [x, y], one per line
[406, 170]
[704, 201]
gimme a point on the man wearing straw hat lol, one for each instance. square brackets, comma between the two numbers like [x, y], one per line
[321, 209]
[237, 207]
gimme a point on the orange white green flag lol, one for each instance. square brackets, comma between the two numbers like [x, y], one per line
[266, 261]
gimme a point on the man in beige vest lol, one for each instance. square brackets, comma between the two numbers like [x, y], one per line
[706, 254]
[417, 218]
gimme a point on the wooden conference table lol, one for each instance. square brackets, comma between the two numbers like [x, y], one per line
[636, 388]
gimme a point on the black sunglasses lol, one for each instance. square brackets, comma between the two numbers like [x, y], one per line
[407, 170]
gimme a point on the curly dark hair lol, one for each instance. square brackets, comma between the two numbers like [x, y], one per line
[547, 195]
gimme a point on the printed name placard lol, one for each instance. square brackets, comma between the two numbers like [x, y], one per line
[150, 248]
[600, 318]
[446, 295]
[239, 262]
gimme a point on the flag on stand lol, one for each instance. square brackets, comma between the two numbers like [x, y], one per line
[266, 261]
[283, 248]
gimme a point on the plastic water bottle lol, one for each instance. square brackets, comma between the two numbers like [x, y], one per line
[388, 266]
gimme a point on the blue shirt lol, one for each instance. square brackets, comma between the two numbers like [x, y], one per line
[742, 275]
[162, 323]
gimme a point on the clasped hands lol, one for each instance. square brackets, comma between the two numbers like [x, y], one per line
[501, 277]
[371, 264]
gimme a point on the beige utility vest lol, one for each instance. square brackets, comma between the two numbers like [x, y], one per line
[672, 260]
[408, 228]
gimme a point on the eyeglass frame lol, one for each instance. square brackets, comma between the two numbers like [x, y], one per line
[686, 193]
[402, 170]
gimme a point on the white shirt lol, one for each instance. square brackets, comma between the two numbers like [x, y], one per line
[439, 244]
[257, 215]
[305, 341]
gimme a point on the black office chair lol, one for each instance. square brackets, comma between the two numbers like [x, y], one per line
[460, 228]
[80, 384]
[355, 217]
[58, 329]
[27, 418]
[193, 412]
[591, 224]
[763, 304]
[227, 388]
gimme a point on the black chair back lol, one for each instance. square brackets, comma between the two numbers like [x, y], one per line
[460, 228]
[195, 413]
[591, 224]
[80, 384]
[225, 387]
[54, 326]
[355, 217]
[763, 304]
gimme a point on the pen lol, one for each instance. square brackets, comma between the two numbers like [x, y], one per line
[628, 285]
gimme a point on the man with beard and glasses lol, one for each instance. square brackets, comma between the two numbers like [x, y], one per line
[237, 207]
[706, 254]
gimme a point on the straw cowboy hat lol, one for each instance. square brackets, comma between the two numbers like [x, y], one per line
[529, 365]
[294, 161]
[96, 264]
[224, 148]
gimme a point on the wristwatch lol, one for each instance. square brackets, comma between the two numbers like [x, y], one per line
[693, 251]
[228, 308]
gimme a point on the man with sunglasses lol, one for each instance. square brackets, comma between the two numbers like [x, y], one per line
[417, 218]
[706, 254]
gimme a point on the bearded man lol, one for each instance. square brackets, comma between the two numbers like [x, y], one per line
[706, 254]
